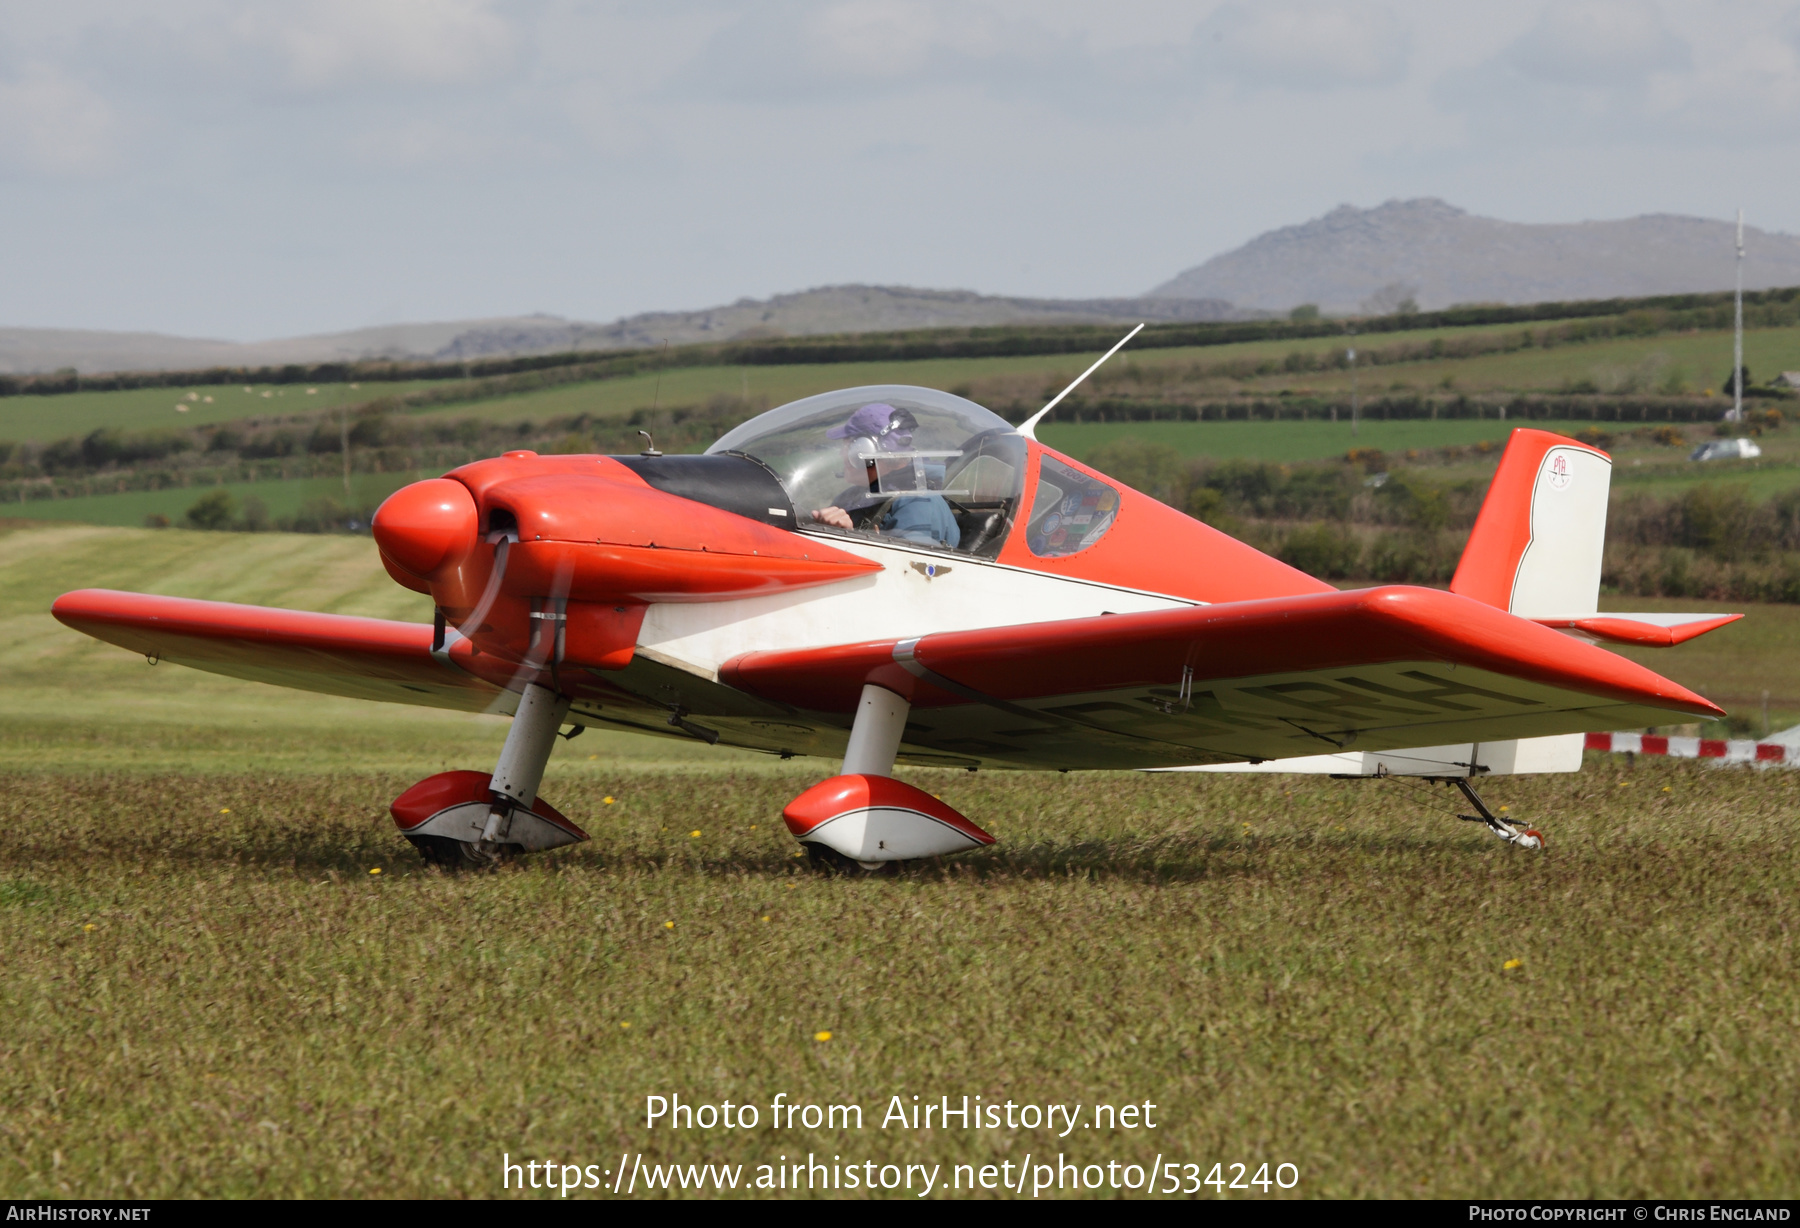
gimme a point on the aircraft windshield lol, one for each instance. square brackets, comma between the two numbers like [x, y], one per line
[893, 461]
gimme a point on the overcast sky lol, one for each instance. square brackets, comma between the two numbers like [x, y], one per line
[275, 167]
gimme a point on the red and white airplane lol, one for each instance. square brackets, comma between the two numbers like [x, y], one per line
[894, 575]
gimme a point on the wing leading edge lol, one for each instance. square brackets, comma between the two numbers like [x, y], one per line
[362, 658]
[1377, 669]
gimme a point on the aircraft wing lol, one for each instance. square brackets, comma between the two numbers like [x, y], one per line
[363, 658]
[1375, 669]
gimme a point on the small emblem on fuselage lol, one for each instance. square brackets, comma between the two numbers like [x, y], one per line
[931, 570]
[1560, 474]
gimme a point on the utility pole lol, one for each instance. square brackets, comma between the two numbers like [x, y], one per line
[1350, 355]
[1737, 349]
[344, 430]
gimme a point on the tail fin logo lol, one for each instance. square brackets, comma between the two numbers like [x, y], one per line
[1561, 477]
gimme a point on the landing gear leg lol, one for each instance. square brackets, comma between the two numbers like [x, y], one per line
[522, 759]
[874, 744]
[863, 819]
[1513, 833]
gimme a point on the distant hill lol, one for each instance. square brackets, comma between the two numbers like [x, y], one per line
[831, 309]
[1438, 255]
[1348, 261]
[25, 351]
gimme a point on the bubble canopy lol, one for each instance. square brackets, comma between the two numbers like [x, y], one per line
[900, 461]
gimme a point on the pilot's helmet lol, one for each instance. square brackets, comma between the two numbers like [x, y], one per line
[890, 428]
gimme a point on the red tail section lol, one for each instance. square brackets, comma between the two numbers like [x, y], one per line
[1537, 542]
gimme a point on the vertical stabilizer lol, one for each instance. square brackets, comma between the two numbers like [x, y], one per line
[1537, 543]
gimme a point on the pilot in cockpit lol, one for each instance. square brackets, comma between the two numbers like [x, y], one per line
[890, 485]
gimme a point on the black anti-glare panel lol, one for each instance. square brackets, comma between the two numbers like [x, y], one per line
[729, 481]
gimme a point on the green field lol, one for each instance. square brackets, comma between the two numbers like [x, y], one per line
[1604, 363]
[54, 417]
[40, 418]
[282, 498]
[1701, 359]
[209, 993]
[1286, 440]
[1006, 381]
[1667, 471]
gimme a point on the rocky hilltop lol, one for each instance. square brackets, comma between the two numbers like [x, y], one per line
[1370, 260]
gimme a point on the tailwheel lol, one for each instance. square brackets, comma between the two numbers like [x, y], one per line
[1510, 830]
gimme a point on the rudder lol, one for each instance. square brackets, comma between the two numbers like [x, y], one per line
[1539, 538]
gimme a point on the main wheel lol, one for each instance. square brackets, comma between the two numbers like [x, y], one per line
[448, 854]
[834, 862]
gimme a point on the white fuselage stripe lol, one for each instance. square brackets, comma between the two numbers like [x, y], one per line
[897, 602]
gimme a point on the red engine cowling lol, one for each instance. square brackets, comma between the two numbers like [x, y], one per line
[588, 532]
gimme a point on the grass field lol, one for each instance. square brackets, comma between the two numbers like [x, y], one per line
[1285, 440]
[1640, 466]
[54, 417]
[1702, 358]
[282, 498]
[1603, 364]
[40, 418]
[208, 992]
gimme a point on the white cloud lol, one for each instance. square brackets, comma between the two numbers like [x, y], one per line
[1599, 42]
[606, 156]
[859, 48]
[884, 38]
[52, 122]
[1311, 46]
[322, 44]
[1605, 72]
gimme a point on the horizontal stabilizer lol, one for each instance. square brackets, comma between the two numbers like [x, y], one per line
[1643, 630]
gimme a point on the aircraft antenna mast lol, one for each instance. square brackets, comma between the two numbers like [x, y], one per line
[1737, 348]
[1028, 428]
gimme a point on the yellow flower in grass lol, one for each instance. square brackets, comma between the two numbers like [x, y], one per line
[1510, 964]
[88, 928]
[606, 801]
[668, 925]
[376, 870]
[821, 1037]
[225, 810]
[625, 1023]
[694, 835]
